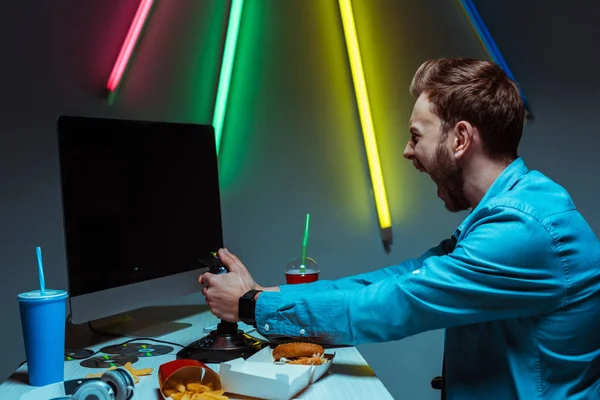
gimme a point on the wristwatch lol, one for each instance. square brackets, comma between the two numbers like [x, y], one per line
[246, 307]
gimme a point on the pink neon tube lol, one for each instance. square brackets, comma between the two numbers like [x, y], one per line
[130, 40]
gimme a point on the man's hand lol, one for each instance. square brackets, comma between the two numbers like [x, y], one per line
[222, 292]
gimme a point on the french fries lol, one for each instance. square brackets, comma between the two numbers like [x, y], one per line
[134, 372]
[178, 390]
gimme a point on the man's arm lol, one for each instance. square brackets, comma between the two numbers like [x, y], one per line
[359, 281]
[506, 267]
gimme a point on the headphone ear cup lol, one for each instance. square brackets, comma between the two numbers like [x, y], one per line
[121, 381]
[94, 389]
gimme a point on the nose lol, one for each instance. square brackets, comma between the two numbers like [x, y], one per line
[409, 151]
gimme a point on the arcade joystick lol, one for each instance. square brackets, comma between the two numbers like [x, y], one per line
[225, 343]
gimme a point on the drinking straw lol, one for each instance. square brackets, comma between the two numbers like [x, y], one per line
[40, 270]
[304, 244]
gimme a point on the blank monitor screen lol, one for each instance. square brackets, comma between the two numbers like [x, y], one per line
[140, 200]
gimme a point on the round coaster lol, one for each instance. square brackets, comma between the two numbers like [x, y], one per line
[146, 350]
[77, 354]
[108, 361]
[116, 349]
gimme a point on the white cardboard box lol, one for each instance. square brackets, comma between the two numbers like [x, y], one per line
[263, 380]
[259, 376]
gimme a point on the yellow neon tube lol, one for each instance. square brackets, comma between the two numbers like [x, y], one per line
[362, 98]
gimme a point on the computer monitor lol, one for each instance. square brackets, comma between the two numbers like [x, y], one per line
[141, 208]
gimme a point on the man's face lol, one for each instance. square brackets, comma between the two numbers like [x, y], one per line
[430, 151]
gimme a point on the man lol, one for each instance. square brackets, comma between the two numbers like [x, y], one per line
[517, 287]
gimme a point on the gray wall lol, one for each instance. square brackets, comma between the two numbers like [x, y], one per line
[292, 142]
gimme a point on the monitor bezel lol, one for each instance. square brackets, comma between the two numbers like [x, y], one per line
[101, 304]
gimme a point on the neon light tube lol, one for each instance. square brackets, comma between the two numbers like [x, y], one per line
[233, 28]
[490, 46]
[129, 44]
[362, 98]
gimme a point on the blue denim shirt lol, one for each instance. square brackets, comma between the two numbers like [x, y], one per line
[518, 295]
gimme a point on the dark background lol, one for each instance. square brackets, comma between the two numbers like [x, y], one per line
[292, 141]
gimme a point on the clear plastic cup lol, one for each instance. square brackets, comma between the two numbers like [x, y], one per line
[43, 320]
[294, 274]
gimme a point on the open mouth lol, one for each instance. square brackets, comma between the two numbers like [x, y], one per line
[419, 166]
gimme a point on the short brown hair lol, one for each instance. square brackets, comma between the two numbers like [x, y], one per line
[464, 89]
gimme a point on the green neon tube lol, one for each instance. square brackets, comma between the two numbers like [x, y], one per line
[233, 28]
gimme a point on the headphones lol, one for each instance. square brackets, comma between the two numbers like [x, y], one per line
[116, 384]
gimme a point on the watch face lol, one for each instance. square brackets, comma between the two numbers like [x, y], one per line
[246, 308]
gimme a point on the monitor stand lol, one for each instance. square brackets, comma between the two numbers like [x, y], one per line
[127, 326]
[224, 344]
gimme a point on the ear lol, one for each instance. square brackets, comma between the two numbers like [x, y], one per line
[464, 134]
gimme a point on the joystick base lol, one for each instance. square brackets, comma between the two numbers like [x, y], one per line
[224, 344]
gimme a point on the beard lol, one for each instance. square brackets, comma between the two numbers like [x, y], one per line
[449, 179]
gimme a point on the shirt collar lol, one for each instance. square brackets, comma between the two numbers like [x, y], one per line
[503, 183]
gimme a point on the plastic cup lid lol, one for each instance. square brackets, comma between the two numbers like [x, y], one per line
[49, 294]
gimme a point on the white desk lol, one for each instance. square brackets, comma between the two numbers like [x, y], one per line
[349, 377]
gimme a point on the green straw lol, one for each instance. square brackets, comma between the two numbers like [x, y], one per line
[304, 244]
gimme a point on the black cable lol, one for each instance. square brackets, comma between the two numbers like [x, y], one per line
[102, 333]
[143, 339]
[124, 343]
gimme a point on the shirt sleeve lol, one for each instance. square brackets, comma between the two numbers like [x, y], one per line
[506, 266]
[361, 280]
